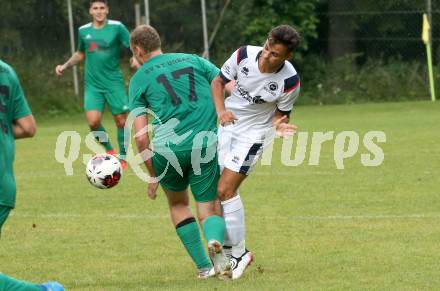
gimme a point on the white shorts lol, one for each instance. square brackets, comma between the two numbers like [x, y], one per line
[238, 155]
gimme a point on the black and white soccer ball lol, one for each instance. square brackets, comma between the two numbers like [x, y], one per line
[104, 171]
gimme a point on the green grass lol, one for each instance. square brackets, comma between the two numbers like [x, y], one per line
[310, 227]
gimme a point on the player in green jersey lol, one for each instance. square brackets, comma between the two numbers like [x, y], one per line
[175, 88]
[10, 284]
[16, 121]
[99, 43]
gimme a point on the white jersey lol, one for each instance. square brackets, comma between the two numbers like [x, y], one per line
[257, 95]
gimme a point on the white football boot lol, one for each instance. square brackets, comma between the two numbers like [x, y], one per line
[240, 264]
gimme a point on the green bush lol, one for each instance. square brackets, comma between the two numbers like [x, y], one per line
[47, 94]
[322, 82]
[342, 81]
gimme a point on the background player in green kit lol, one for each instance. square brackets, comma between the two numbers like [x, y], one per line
[176, 90]
[99, 43]
[16, 121]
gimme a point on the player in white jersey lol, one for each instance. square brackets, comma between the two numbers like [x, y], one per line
[266, 86]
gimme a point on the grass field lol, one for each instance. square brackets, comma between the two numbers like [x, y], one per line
[310, 227]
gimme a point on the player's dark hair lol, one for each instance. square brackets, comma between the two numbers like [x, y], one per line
[145, 37]
[286, 35]
[103, 1]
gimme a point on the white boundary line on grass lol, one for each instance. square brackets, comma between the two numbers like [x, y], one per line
[310, 218]
[88, 216]
[378, 216]
[51, 174]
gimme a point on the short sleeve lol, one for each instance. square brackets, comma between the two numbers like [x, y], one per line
[124, 36]
[81, 44]
[20, 105]
[136, 95]
[290, 94]
[211, 71]
[229, 69]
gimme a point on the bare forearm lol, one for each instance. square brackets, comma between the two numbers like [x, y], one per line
[24, 127]
[74, 60]
[143, 146]
[143, 142]
[217, 87]
[19, 132]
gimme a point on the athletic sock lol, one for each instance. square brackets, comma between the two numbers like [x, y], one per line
[121, 142]
[239, 249]
[228, 251]
[8, 283]
[189, 234]
[214, 228]
[100, 135]
[233, 212]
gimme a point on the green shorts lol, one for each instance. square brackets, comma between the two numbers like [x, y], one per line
[95, 100]
[203, 181]
[4, 213]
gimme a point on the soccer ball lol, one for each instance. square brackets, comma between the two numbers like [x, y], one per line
[103, 171]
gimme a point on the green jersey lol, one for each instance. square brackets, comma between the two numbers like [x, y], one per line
[101, 48]
[177, 89]
[13, 105]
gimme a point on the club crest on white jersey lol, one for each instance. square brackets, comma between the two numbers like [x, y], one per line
[257, 95]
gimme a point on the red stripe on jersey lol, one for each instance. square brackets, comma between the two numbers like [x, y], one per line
[241, 54]
[288, 90]
[291, 83]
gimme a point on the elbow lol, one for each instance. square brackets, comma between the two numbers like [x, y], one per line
[31, 131]
[79, 57]
[27, 127]
[31, 128]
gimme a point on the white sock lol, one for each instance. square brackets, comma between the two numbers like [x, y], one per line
[233, 212]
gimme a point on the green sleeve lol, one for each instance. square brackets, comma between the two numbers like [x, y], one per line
[20, 105]
[136, 95]
[124, 36]
[81, 45]
[211, 71]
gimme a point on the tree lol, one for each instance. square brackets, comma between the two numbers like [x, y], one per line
[249, 21]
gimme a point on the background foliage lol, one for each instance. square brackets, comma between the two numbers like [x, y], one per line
[351, 51]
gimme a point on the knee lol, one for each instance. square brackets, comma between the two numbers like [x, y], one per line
[120, 123]
[224, 192]
[208, 209]
[94, 124]
[201, 219]
[120, 120]
[178, 204]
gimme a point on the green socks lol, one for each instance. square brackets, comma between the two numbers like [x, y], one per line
[100, 135]
[8, 283]
[121, 142]
[214, 227]
[189, 234]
